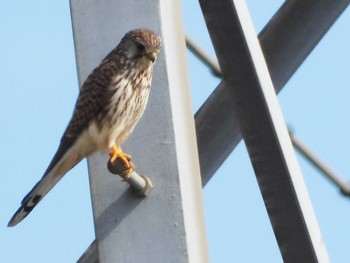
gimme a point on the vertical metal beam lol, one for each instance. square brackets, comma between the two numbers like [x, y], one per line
[254, 101]
[286, 41]
[168, 225]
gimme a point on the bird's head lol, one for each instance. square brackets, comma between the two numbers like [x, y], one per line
[141, 44]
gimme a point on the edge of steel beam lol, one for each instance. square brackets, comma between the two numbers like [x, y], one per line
[90, 255]
[255, 104]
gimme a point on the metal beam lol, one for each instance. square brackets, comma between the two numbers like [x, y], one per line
[286, 41]
[250, 92]
[168, 225]
[212, 64]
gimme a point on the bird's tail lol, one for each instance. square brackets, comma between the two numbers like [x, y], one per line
[33, 198]
[54, 173]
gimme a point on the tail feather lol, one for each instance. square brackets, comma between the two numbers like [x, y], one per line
[51, 177]
[33, 198]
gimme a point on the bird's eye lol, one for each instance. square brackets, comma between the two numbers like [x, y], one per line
[140, 47]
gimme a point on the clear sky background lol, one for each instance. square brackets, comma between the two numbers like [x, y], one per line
[38, 91]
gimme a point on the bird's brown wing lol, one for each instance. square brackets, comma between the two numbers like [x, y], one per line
[89, 105]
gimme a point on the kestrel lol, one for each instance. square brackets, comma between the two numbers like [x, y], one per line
[110, 103]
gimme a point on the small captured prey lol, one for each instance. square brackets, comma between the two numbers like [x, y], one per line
[110, 104]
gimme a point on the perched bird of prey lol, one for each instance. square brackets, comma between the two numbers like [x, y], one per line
[110, 103]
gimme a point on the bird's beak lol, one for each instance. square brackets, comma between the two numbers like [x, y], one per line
[152, 55]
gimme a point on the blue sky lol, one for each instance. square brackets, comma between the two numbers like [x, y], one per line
[39, 88]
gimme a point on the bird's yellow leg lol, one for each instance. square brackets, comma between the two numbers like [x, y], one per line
[115, 153]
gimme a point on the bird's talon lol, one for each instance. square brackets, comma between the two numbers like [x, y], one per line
[126, 167]
[116, 153]
[127, 156]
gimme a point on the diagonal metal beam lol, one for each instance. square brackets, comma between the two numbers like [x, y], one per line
[212, 64]
[286, 41]
[250, 92]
